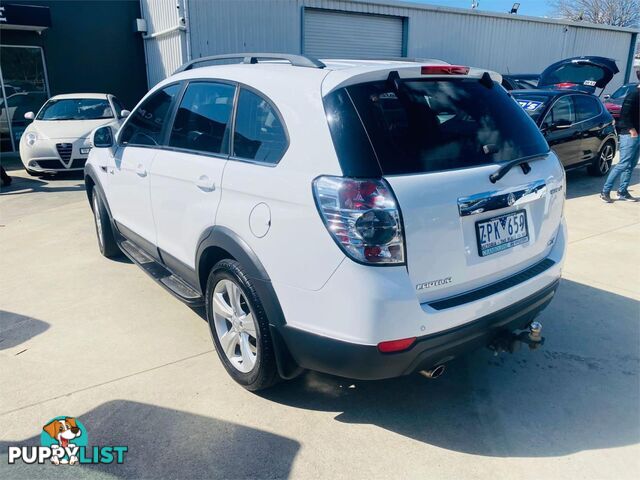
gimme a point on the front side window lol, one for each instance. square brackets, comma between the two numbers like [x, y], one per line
[203, 118]
[145, 125]
[430, 125]
[586, 107]
[76, 109]
[259, 134]
[562, 112]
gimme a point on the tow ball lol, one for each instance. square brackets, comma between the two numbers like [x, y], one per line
[510, 342]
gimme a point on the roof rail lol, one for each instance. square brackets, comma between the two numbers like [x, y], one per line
[294, 60]
[398, 59]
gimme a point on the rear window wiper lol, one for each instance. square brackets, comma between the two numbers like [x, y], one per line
[504, 169]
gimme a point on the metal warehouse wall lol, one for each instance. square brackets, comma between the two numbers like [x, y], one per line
[505, 43]
[511, 45]
[165, 42]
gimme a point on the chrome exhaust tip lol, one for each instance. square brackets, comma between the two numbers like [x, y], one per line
[434, 373]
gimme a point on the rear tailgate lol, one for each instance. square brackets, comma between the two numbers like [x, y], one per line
[436, 141]
[445, 217]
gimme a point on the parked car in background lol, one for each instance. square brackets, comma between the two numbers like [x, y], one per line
[579, 73]
[575, 124]
[57, 140]
[613, 102]
[366, 219]
[521, 81]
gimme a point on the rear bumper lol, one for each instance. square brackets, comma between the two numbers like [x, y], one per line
[365, 362]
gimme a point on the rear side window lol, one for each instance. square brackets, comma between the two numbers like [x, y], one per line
[203, 118]
[259, 133]
[145, 125]
[586, 107]
[434, 125]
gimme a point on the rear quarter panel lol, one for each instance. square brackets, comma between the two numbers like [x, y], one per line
[297, 249]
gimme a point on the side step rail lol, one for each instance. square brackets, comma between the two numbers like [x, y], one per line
[160, 274]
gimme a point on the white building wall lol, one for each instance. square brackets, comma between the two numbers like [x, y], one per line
[500, 42]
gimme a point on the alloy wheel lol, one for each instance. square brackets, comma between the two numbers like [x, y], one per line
[606, 159]
[235, 325]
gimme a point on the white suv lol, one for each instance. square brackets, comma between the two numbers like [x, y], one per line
[366, 219]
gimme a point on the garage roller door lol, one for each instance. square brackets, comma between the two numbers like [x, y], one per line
[329, 34]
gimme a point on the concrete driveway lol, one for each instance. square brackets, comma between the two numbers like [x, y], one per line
[97, 339]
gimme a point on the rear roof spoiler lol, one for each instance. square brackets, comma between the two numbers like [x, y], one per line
[252, 58]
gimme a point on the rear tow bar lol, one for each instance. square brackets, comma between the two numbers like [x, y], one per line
[510, 342]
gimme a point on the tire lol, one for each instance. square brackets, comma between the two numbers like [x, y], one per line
[106, 240]
[243, 328]
[602, 163]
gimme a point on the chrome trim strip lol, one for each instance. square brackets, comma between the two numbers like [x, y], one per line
[498, 199]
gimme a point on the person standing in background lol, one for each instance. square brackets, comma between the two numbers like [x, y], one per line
[628, 127]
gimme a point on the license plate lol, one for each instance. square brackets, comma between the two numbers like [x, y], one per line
[501, 233]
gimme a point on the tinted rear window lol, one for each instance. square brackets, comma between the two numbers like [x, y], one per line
[434, 125]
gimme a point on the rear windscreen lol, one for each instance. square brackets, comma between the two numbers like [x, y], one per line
[533, 104]
[431, 125]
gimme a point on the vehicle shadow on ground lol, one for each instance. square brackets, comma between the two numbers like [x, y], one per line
[581, 184]
[166, 443]
[21, 185]
[16, 329]
[568, 397]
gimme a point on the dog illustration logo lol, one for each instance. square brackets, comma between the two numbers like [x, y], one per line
[65, 435]
[64, 441]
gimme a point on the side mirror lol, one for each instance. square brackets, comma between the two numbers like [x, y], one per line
[29, 116]
[607, 97]
[102, 137]
[124, 113]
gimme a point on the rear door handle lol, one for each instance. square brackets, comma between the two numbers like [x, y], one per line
[205, 183]
[141, 171]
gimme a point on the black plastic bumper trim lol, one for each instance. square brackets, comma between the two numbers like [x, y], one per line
[494, 288]
[365, 362]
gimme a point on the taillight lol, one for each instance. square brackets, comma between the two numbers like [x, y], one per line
[565, 85]
[362, 217]
[444, 70]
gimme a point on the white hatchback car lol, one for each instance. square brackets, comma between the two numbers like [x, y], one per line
[366, 219]
[58, 138]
